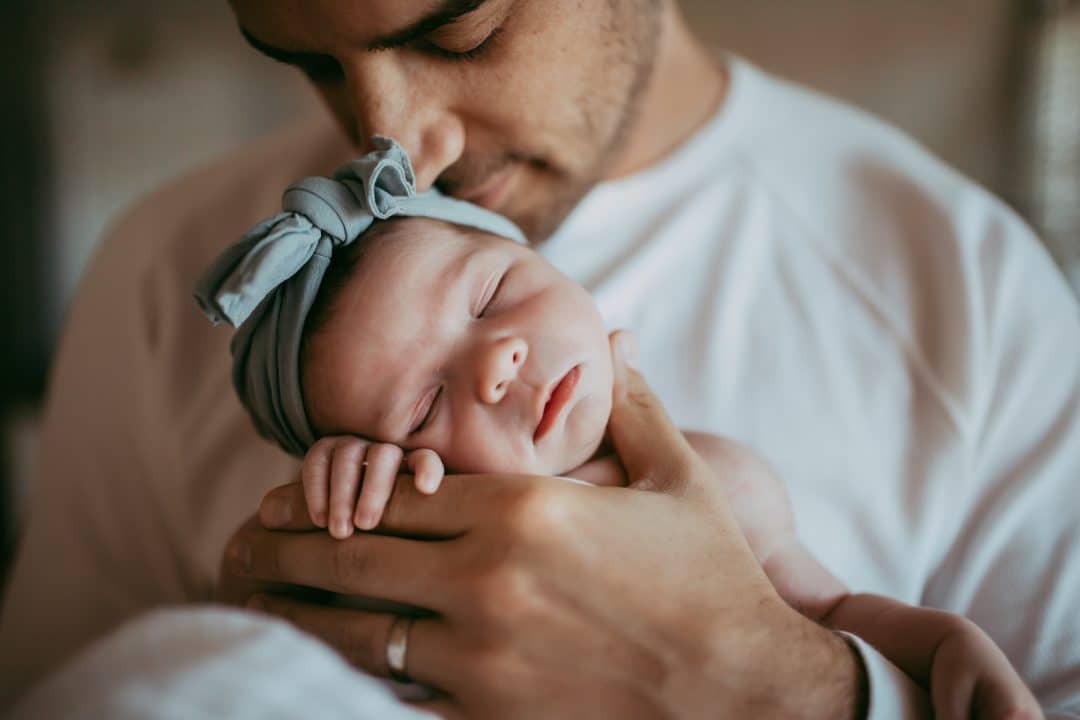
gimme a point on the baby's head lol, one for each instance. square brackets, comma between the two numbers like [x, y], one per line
[427, 334]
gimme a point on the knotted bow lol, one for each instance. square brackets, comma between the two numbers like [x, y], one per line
[266, 283]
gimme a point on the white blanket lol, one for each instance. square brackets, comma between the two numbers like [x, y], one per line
[210, 663]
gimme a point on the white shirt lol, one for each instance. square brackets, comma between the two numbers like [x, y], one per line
[800, 277]
[891, 338]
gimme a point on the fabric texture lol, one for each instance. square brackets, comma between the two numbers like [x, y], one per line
[800, 277]
[244, 666]
[266, 284]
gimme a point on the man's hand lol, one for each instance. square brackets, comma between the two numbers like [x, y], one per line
[553, 599]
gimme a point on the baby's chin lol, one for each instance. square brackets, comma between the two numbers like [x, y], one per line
[582, 439]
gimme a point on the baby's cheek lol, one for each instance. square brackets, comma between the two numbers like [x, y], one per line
[585, 428]
[489, 453]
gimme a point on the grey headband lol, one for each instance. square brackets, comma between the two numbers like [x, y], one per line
[266, 283]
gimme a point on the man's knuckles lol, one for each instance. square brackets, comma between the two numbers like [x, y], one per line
[535, 512]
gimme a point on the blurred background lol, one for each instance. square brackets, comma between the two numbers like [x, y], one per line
[105, 100]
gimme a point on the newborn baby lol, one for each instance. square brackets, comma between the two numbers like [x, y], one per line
[435, 345]
[456, 346]
[378, 327]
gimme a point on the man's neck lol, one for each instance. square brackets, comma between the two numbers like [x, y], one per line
[685, 90]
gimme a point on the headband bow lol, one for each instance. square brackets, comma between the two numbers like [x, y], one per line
[265, 284]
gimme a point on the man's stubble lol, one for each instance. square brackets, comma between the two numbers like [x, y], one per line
[609, 109]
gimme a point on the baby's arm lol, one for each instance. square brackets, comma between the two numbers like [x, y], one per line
[763, 510]
[966, 674]
[337, 469]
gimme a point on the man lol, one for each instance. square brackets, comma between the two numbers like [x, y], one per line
[800, 278]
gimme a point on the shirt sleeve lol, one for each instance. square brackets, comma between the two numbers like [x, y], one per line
[77, 572]
[892, 694]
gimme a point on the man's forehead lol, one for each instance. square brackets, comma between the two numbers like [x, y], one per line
[376, 23]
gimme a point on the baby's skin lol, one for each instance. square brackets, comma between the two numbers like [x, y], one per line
[446, 349]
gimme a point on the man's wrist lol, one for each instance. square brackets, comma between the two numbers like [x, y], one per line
[854, 682]
[827, 677]
[782, 666]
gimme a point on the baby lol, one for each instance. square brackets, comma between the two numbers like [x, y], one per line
[435, 342]
[435, 346]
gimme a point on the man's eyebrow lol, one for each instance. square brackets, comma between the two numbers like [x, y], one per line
[447, 12]
[274, 53]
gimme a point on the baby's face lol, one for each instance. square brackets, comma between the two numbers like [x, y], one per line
[467, 344]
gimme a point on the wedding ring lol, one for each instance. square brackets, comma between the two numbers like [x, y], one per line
[397, 648]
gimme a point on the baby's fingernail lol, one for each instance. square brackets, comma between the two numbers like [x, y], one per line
[367, 520]
[427, 485]
[276, 513]
[320, 519]
[342, 529]
[628, 348]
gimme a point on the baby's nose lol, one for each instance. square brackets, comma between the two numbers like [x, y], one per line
[499, 367]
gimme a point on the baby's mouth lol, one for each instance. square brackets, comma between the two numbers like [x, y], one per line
[557, 401]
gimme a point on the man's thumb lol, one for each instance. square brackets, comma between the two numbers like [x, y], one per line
[653, 451]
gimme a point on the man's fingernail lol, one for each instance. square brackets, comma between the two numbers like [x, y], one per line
[628, 348]
[276, 513]
[240, 557]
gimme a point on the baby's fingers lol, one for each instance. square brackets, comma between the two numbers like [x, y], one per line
[315, 475]
[427, 467]
[344, 484]
[383, 462]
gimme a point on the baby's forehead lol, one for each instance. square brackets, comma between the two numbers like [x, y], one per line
[400, 245]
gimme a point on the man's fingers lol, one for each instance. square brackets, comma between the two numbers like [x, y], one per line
[395, 569]
[462, 501]
[361, 637]
[284, 508]
[653, 451]
[443, 708]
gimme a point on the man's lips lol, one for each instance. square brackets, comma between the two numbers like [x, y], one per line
[557, 401]
[490, 193]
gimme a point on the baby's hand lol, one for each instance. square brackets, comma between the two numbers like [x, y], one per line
[337, 468]
[971, 678]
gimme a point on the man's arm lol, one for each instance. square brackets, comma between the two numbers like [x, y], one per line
[70, 580]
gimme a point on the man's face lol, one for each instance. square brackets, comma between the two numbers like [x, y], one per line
[517, 105]
[464, 343]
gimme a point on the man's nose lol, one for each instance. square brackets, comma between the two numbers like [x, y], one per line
[500, 362]
[393, 98]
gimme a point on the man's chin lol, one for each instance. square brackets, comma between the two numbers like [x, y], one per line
[535, 207]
